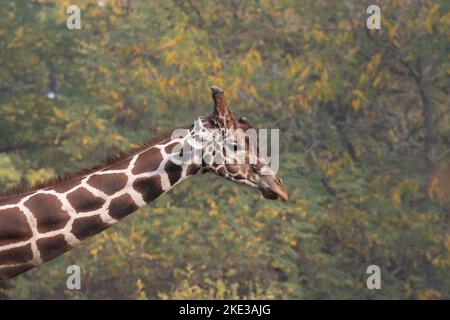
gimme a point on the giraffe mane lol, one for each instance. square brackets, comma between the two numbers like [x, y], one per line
[65, 177]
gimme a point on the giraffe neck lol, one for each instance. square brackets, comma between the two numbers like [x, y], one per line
[40, 225]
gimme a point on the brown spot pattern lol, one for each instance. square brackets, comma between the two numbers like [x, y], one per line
[20, 232]
[52, 247]
[84, 228]
[10, 200]
[66, 186]
[170, 147]
[192, 169]
[84, 201]
[149, 188]
[173, 172]
[47, 210]
[16, 255]
[147, 161]
[108, 183]
[121, 165]
[9, 272]
[122, 206]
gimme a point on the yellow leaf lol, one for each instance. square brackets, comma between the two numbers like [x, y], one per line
[171, 58]
[94, 252]
[344, 24]
[253, 91]
[213, 213]
[356, 104]
[318, 35]
[171, 42]
[324, 76]
[304, 74]
[358, 93]
[304, 103]
[211, 203]
[396, 198]
[18, 32]
[374, 62]
[114, 95]
[429, 294]
[58, 112]
[376, 81]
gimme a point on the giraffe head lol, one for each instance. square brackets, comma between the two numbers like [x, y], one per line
[231, 150]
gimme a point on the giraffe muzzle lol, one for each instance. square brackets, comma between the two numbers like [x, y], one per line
[273, 188]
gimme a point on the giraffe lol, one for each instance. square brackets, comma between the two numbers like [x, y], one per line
[41, 223]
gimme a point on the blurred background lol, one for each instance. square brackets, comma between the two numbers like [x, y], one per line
[364, 119]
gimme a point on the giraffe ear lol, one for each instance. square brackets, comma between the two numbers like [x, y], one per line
[222, 113]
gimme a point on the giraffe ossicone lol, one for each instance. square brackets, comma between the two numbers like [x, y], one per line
[40, 224]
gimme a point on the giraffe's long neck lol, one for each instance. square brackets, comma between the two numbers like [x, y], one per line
[45, 223]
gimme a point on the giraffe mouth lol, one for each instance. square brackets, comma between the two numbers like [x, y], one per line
[273, 188]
